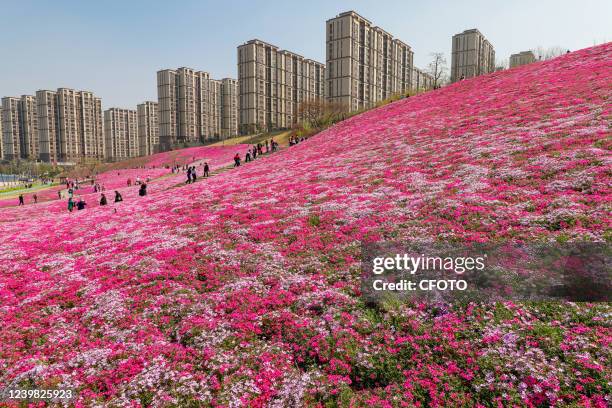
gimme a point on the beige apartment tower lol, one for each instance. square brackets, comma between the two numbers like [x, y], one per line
[121, 134]
[472, 55]
[365, 64]
[92, 130]
[522, 58]
[192, 98]
[189, 104]
[48, 131]
[69, 126]
[421, 81]
[11, 128]
[229, 107]
[29, 127]
[167, 108]
[272, 85]
[80, 126]
[19, 132]
[148, 128]
[213, 112]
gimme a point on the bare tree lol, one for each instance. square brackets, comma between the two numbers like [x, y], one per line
[544, 54]
[312, 112]
[501, 65]
[437, 69]
[318, 113]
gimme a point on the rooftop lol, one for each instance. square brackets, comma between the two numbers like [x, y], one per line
[353, 13]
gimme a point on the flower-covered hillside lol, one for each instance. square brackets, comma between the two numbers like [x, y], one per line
[115, 175]
[244, 289]
[192, 154]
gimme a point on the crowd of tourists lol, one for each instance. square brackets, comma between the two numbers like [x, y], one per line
[293, 140]
[258, 149]
[72, 186]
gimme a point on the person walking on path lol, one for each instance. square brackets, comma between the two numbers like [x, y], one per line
[206, 169]
[237, 160]
[59, 194]
[118, 197]
[21, 199]
[35, 197]
[194, 175]
[103, 200]
[70, 204]
[247, 158]
[189, 175]
[143, 190]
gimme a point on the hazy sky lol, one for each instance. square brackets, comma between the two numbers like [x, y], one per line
[114, 48]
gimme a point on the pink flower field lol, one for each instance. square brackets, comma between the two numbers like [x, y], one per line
[243, 289]
[152, 166]
[193, 154]
[161, 179]
[43, 195]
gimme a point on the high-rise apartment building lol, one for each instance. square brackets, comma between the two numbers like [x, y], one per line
[80, 125]
[229, 107]
[365, 64]
[68, 104]
[272, 85]
[69, 126]
[29, 127]
[48, 130]
[93, 132]
[148, 128]
[310, 82]
[167, 108]
[421, 81]
[12, 134]
[191, 98]
[121, 134]
[472, 55]
[19, 129]
[522, 58]
[214, 109]
[189, 107]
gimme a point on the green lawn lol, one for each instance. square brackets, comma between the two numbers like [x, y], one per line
[15, 191]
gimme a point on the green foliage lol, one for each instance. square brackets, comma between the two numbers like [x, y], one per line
[502, 313]
[314, 220]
